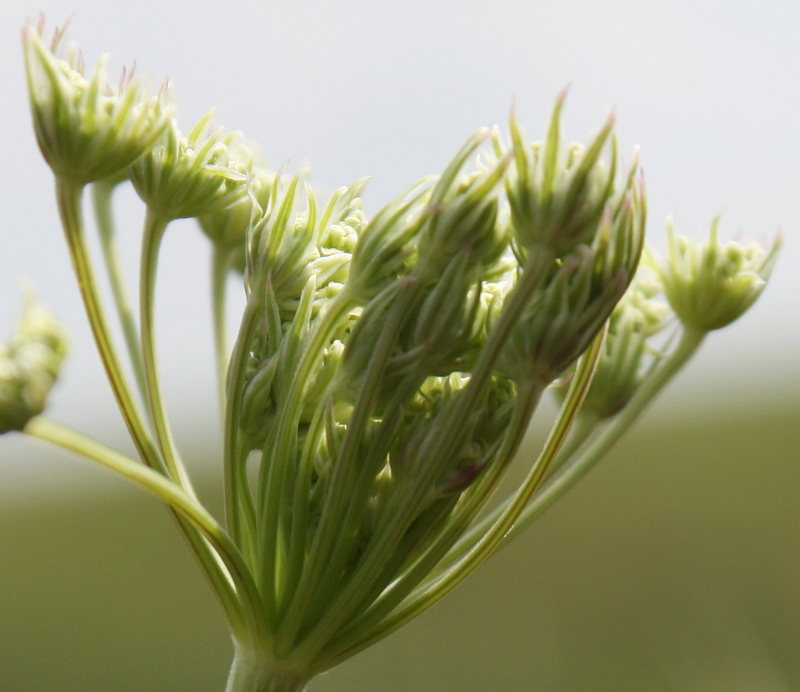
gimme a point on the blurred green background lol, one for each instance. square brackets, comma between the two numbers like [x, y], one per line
[674, 566]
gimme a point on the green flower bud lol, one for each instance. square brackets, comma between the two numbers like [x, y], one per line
[566, 313]
[88, 130]
[435, 287]
[297, 263]
[436, 328]
[557, 194]
[463, 214]
[387, 248]
[29, 366]
[561, 319]
[709, 285]
[190, 176]
[288, 246]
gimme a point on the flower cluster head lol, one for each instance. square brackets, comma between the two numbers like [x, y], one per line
[193, 175]
[87, 128]
[298, 258]
[387, 369]
[29, 366]
[709, 285]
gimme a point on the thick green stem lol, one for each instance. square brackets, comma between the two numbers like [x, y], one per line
[570, 472]
[461, 517]
[581, 429]
[240, 512]
[326, 551]
[252, 671]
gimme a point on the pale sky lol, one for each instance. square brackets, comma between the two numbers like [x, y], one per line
[709, 90]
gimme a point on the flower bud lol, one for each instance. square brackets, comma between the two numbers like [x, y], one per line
[561, 319]
[387, 248]
[190, 176]
[297, 262]
[463, 214]
[566, 313]
[29, 366]
[431, 300]
[709, 285]
[557, 194]
[289, 245]
[87, 130]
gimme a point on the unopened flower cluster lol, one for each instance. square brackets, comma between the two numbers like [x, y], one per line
[386, 369]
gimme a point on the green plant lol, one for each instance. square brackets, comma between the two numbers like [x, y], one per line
[385, 369]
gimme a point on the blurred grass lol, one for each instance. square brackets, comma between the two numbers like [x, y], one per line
[674, 566]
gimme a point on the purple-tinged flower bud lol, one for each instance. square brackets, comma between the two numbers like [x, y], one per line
[87, 129]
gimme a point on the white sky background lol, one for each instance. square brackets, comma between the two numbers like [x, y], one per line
[710, 90]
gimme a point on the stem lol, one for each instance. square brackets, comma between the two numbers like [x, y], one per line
[326, 550]
[252, 671]
[220, 264]
[583, 426]
[154, 227]
[391, 529]
[316, 340]
[69, 196]
[461, 517]
[239, 584]
[69, 207]
[240, 512]
[691, 339]
[101, 195]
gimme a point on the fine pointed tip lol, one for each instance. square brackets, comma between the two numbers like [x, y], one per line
[640, 182]
[361, 184]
